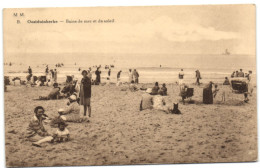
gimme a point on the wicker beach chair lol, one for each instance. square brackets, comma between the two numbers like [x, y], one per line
[239, 85]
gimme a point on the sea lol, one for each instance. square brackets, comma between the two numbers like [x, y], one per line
[162, 68]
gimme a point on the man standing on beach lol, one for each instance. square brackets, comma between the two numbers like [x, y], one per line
[118, 75]
[109, 73]
[198, 77]
[241, 73]
[181, 76]
[249, 84]
[55, 76]
[98, 72]
[47, 70]
[136, 76]
[130, 76]
[29, 70]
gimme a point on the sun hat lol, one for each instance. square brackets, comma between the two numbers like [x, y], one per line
[84, 71]
[61, 110]
[73, 97]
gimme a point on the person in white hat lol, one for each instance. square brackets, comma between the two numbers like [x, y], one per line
[72, 112]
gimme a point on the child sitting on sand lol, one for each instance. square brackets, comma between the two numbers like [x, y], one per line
[61, 135]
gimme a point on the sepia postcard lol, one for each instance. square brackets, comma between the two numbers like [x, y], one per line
[130, 85]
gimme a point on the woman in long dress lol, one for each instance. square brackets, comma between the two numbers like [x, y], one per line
[98, 72]
[130, 75]
[85, 93]
[208, 94]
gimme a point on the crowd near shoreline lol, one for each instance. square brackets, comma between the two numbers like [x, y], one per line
[78, 92]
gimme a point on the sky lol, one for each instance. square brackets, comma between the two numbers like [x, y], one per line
[206, 29]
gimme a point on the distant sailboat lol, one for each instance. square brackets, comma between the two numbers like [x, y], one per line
[226, 52]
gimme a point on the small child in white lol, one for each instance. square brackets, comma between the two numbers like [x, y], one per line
[215, 91]
[222, 92]
[62, 135]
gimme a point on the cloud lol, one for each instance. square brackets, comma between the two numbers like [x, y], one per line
[177, 32]
[124, 32]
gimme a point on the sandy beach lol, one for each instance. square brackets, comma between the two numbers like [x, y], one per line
[118, 133]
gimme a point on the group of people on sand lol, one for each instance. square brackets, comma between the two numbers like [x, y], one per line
[181, 77]
[78, 107]
[154, 98]
[109, 66]
[10, 63]
[49, 78]
[240, 82]
[210, 90]
[133, 75]
[78, 100]
[59, 65]
[37, 133]
[241, 74]
[51, 74]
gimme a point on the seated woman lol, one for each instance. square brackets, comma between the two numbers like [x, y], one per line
[226, 82]
[36, 131]
[54, 94]
[36, 127]
[155, 89]
[163, 90]
[71, 113]
[146, 101]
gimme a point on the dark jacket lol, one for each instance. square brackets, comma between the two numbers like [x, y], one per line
[86, 82]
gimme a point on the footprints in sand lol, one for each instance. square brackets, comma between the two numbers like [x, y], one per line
[120, 133]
